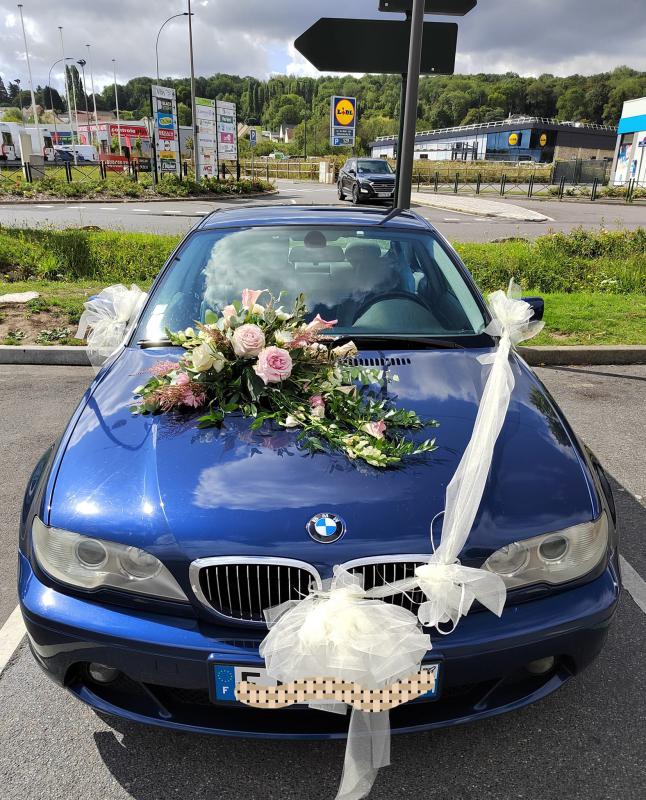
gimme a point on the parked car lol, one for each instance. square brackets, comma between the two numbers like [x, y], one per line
[366, 179]
[148, 548]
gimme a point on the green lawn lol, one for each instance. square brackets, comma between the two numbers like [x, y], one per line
[570, 319]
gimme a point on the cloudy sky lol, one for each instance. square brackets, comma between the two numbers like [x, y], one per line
[254, 37]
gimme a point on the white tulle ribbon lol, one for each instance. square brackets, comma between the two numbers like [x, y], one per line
[342, 633]
[107, 320]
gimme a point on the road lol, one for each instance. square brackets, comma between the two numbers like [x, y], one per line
[586, 742]
[178, 217]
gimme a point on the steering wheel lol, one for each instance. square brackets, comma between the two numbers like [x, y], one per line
[396, 295]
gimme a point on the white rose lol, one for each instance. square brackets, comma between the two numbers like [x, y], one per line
[247, 340]
[291, 422]
[283, 315]
[204, 358]
[189, 333]
[318, 412]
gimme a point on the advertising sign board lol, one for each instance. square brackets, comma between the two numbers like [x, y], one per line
[343, 121]
[164, 111]
[206, 137]
[227, 127]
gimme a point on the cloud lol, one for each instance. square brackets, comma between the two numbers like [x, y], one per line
[255, 37]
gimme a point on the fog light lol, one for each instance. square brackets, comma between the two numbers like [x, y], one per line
[102, 673]
[541, 665]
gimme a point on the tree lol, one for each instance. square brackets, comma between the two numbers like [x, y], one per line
[285, 109]
[572, 105]
[12, 114]
[4, 94]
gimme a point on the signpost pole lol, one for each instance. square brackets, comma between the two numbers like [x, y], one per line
[407, 144]
[193, 113]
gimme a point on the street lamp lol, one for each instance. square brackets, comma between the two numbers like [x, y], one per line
[51, 96]
[17, 82]
[41, 141]
[67, 97]
[175, 16]
[96, 116]
[82, 62]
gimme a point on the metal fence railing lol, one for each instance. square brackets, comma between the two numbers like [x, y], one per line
[271, 169]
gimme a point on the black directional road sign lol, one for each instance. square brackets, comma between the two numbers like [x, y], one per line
[376, 45]
[448, 8]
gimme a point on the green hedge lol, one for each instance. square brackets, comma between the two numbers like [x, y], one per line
[599, 261]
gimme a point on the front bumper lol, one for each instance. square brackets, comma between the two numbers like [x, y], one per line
[165, 661]
[368, 192]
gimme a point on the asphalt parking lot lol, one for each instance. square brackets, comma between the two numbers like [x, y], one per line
[586, 742]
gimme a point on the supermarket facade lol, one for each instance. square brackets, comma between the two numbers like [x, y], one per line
[630, 154]
[513, 139]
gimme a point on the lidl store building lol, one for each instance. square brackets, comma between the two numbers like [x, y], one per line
[630, 155]
[513, 139]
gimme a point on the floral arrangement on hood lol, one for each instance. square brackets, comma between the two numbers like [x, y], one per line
[261, 361]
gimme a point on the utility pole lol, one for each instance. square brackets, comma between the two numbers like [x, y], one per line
[67, 98]
[82, 62]
[96, 116]
[41, 144]
[196, 149]
[116, 100]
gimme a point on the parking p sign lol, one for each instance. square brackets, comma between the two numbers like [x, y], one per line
[253, 137]
[343, 121]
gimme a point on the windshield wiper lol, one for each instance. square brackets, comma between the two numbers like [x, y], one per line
[387, 339]
[163, 342]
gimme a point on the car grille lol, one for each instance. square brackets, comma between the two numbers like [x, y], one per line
[381, 573]
[383, 186]
[241, 591]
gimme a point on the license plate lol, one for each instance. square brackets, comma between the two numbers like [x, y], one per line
[226, 676]
[384, 194]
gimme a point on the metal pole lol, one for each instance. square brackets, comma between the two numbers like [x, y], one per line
[410, 114]
[183, 14]
[196, 149]
[116, 100]
[67, 90]
[41, 143]
[96, 116]
[82, 62]
[400, 135]
[51, 96]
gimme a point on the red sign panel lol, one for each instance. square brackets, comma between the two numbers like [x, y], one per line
[129, 130]
[114, 163]
[164, 134]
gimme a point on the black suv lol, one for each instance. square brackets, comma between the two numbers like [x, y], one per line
[366, 179]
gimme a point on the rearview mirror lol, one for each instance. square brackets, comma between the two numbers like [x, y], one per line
[538, 307]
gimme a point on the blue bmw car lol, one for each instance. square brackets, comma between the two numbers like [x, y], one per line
[149, 547]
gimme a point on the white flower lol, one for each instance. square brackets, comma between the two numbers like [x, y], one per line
[291, 422]
[318, 412]
[189, 333]
[283, 337]
[283, 315]
[345, 351]
[204, 358]
[258, 310]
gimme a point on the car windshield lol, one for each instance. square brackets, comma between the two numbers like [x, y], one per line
[375, 166]
[374, 280]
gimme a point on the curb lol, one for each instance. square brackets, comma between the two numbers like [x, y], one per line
[522, 215]
[125, 200]
[583, 355]
[71, 356]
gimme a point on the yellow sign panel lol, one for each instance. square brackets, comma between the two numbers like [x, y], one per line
[344, 112]
[513, 139]
[543, 140]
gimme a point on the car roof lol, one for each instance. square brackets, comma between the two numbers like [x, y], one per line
[282, 214]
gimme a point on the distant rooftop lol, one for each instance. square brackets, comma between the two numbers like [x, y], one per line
[513, 122]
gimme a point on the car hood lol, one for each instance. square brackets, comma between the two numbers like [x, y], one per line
[183, 493]
[377, 176]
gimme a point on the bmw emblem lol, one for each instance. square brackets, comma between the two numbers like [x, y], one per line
[326, 528]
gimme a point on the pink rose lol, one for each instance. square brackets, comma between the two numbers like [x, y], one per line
[376, 429]
[250, 297]
[320, 324]
[182, 379]
[317, 401]
[274, 365]
[228, 312]
[248, 341]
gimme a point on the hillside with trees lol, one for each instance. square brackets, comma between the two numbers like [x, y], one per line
[444, 100]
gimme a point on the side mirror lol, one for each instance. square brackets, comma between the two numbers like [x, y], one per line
[538, 307]
[352, 172]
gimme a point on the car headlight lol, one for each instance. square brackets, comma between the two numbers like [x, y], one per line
[552, 558]
[89, 563]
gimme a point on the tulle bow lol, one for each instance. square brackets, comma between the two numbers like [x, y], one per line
[107, 319]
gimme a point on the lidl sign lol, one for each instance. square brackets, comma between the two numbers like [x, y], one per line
[343, 121]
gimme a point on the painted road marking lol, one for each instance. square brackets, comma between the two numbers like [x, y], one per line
[453, 219]
[634, 584]
[141, 210]
[11, 635]
[107, 208]
[75, 208]
[44, 206]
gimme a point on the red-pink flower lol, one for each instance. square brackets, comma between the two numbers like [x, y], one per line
[274, 365]
[187, 393]
[182, 379]
[376, 429]
[250, 297]
[320, 324]
[163, 368]
[317, 401]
